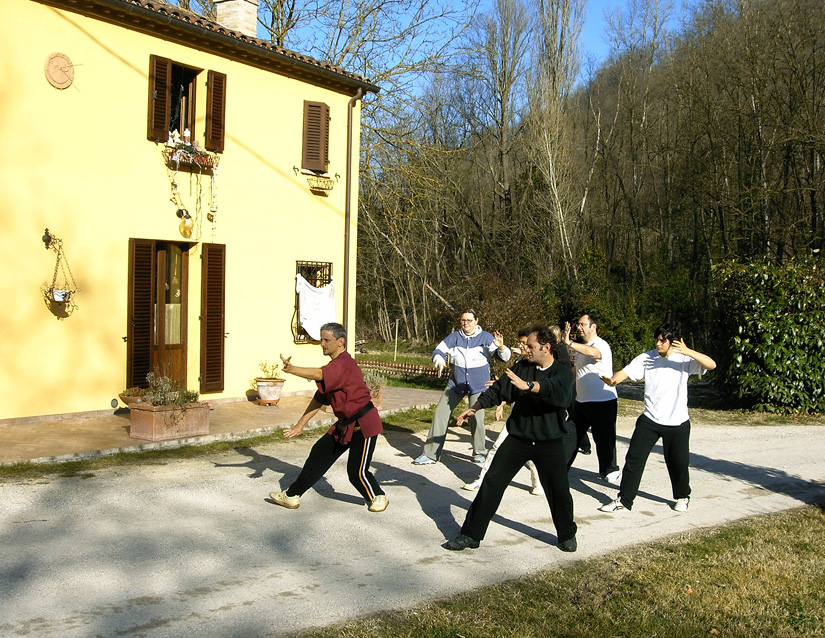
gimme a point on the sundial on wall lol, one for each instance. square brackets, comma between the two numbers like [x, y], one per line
[59, 70]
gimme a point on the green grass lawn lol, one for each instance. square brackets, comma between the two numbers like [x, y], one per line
[761, 577]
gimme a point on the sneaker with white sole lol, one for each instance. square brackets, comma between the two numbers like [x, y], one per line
[537, 490]
[289, 502]
[479, 458]
[423, 460]
[613, 506]
[379, 503]
[614, 478]
[472, 487]
[681, 504]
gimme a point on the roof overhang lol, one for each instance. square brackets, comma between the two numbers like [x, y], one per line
[168, 22]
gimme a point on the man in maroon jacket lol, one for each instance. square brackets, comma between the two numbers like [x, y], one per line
[341, 386]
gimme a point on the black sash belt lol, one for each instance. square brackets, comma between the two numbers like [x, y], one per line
[341, 426]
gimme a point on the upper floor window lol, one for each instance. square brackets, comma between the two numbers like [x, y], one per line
[316, 137]
[173, 103]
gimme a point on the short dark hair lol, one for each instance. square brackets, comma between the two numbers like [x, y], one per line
[668, 331]
[545, 335]
[524, 332]
[469, 311]
[338, 331]
[593, 319]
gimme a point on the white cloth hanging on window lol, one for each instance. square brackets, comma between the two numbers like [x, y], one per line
[316, 306]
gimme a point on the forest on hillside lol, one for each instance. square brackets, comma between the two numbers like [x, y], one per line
[500, 171]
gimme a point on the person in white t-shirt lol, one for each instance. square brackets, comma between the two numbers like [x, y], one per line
[596, 404]
[665, 370]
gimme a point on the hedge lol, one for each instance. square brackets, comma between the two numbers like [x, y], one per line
[770, 331]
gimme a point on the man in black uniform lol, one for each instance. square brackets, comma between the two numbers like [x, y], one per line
[541, 389]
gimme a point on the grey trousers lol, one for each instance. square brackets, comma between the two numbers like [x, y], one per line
[438, 431]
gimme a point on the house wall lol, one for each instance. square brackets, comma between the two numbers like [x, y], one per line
[77, 161]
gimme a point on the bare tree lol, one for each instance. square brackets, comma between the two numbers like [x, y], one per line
[558, 25]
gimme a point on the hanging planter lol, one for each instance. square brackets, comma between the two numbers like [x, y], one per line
[60, 293]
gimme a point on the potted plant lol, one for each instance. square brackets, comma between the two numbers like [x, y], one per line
[165, 412]
[132, 395]
[270, 384]
[376, 381]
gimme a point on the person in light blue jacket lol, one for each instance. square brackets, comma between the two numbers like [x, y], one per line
[471, 351]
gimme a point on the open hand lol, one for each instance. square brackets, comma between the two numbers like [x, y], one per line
[516, 380]
[294, 431]
[464, 416]
[498, 339]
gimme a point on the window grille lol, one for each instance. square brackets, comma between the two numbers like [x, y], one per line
[318, 274]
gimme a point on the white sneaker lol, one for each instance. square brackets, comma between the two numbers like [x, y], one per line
[423, 460]
[614, 478]
[472, 487]
[681, 504]
[537, 490]
[379, 503]
[289, 502]
[613, 506]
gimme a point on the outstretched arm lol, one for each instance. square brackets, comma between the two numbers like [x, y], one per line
[313, 374]
[616, 379]
[310, 412]
[704, 360]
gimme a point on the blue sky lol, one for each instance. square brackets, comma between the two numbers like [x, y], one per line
[593, 37]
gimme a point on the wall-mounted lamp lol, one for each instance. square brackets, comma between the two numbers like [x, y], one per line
[47, 239]
[186, 222]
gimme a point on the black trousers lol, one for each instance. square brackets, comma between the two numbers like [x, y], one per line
[326, 451]
[676, 446]
[600, 417]
[550, 460]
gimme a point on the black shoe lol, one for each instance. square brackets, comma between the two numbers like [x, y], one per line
[570, 545]
[461, 542]
[585, 452]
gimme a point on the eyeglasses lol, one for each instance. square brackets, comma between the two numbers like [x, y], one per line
[661, 339]
[584, 325]
[467, 320]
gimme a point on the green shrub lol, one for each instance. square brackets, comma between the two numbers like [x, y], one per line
[770, 331]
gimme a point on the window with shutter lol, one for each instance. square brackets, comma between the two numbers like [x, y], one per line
[172, 103]
[215, 109]
[213, 278]
[315, 155]
[140, 329]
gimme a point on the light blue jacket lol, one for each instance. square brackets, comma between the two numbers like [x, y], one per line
[471, 356]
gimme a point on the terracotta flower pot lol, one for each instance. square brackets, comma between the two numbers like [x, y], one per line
[164, 422]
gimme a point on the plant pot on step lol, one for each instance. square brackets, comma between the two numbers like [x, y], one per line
[269, 390]
[165, 422]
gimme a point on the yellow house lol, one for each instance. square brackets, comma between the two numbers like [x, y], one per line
[164, 179]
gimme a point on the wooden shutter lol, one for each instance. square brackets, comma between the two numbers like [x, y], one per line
[213, 278]
[215, 111]
[316, 137]
[140, 329]
[160, 73]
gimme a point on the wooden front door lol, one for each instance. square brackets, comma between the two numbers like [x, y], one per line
[157, 313]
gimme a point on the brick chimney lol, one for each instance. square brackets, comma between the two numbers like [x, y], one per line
[238, 15]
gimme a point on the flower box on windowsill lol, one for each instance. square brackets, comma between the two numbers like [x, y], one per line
[186, 157]
[320, 185]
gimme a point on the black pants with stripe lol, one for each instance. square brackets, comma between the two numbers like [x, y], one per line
[326, 451]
